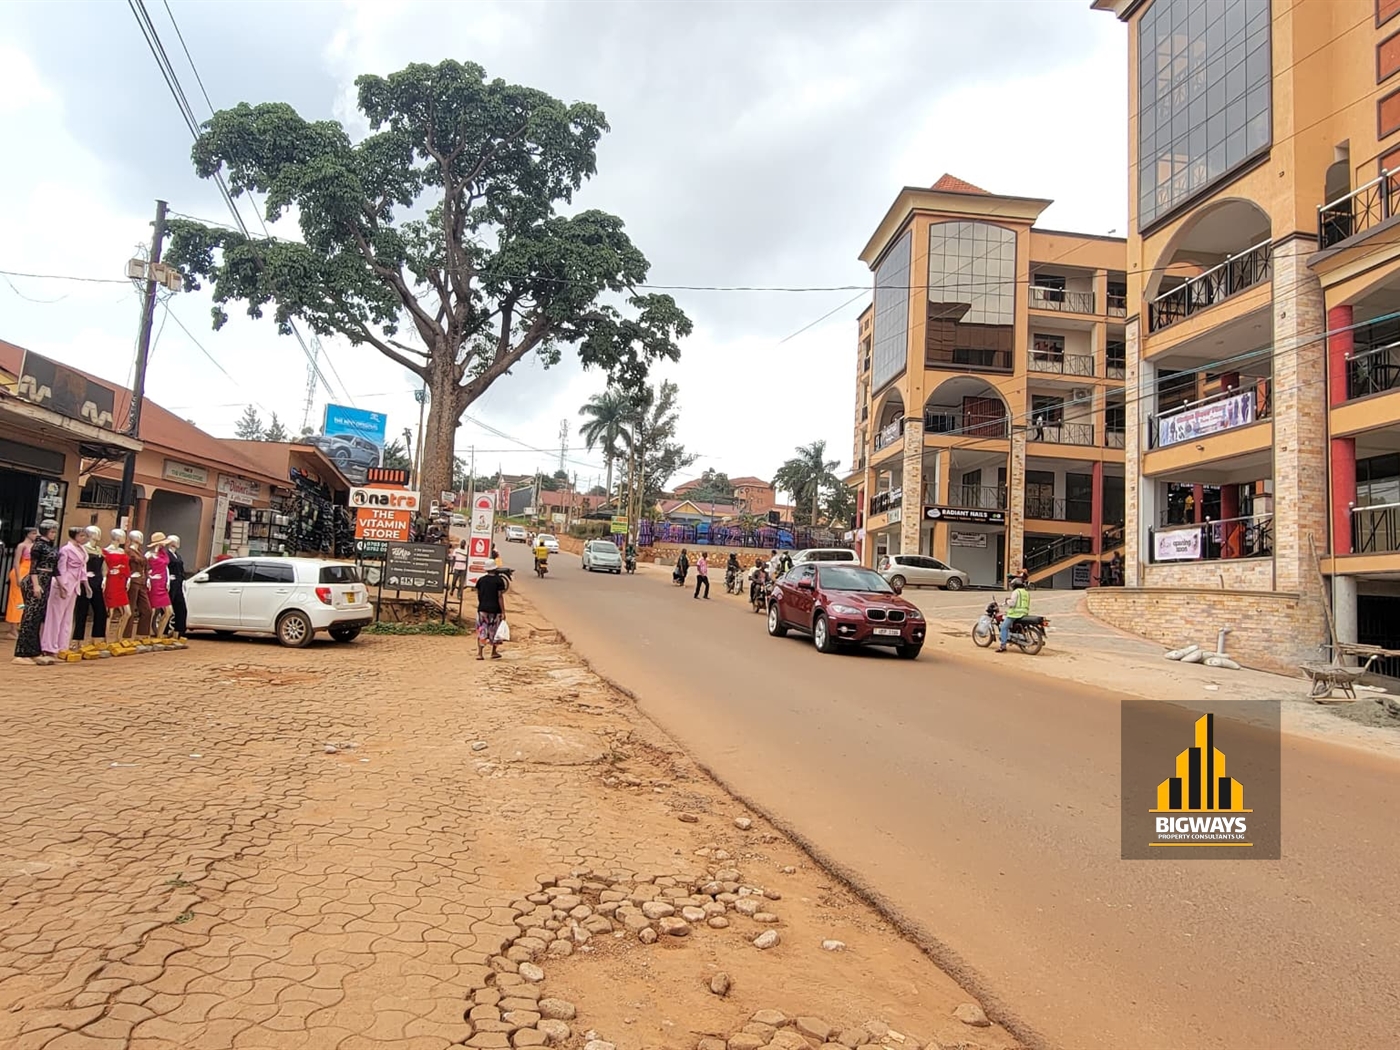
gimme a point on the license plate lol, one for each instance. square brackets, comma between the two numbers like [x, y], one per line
[887, 632]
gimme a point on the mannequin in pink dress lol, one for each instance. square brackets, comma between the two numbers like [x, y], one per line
[157, 562]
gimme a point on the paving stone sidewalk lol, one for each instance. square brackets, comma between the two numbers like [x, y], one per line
[240, 846]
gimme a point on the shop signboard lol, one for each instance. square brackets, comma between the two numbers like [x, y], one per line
[353, 439]
[1082, 576]
[1177, 544]
[967, 539]
[416, 567]
[239, 490]
[1204, 420]
[65, 391]
[968, 514]
[387, 526]
[372, 550]
[383, 499]
[387, 477]
[619, 525]
[187, 473]
[483, 525]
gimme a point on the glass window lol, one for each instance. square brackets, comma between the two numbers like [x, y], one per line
[228, 572]
[891, 321]
[971, 294]
[340, 574]
[273, 572]
[1203, 58]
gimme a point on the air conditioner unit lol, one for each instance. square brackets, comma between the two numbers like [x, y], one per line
[1082, 395]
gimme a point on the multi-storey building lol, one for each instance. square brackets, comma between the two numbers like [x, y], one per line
[1263, 364]
[989, 389]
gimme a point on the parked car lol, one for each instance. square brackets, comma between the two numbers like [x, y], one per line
[602, 556]
[548, 542]
[515, 534]
[845, 605]
[824, 554]
[354, 455]
[290, 598]
[918, 570]
[459, 521]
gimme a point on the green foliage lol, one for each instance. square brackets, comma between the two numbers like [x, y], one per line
[606, 415]
[839, 506]
[809, 477]
[598, 490]
[249, 426]
[396, 456]
[451, 630]
[436, 239]
[650, 436]
[714, 487]
[275, 430]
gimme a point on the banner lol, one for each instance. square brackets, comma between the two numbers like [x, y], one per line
[967, 539]
[480, 539]
[1214, 418]
[353, 439]
[1177, 545]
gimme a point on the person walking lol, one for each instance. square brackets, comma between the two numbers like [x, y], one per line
[682, 568]
[702, 576]
[14, 604]
[490, 611]
[458, 560]
[43, 560]
[69, 580]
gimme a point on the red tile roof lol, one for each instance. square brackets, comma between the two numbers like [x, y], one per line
[749, 483]
[953, 184]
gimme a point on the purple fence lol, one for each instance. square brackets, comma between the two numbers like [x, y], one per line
[767, 537]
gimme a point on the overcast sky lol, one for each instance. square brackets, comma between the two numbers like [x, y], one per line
[753, 144]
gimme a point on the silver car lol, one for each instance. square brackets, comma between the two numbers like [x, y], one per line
[919, 570]
[602, 556]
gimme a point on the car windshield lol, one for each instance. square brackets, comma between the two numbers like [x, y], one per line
[852, 578]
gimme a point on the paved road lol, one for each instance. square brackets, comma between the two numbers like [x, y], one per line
[982, 804]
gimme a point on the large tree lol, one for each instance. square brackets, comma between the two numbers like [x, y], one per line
[249, 426]
[606, 416]
[436, 239]
[275, 430]
[808, 476]
[654, 456]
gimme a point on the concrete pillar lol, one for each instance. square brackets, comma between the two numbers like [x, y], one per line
[1340, 341]
[1139, 504]
[1343, 457]
[1016, 501]
[1344, 610]
[1198, 499]
[913, 510]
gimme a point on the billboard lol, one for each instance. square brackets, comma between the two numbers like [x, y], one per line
[65, 391]
[353, 438]
[483, 525]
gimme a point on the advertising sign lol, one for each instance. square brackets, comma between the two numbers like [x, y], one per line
[384, 499]
[982, 517]
[65, 391]
[416, 567]
[967, 539]
[1082, 577]
[483, 526]
[387, 477]
[239, 490]
[1203, 420]
[186, 472]
[353, 439]
[384, 525]
[619, 525]
[1177, 545]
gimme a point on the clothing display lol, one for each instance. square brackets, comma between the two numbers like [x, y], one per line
[70, 579]
[158, 586]
[175, 570]
[92, 602]
[43, 560]
[115, 594]
[140, 595]
[14, 605]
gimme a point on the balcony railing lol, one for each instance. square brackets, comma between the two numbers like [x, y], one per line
[1062, 433]
[1042, 557]
[1375, 529]
[889, 434]
[1045, 508]
[1117, 305]
[1061, 299]
[1373, 371]
[1224, 540]
[1360, 210]
[1115, 438]
[1116, 368]
[970, 359]
[957, 424]
[1236, 274]
[1063, 364]
[1227, 410]
[883, 501]
[976, 497]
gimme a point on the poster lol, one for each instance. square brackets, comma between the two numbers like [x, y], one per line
[1177, 545]
[416, 567]
[1082, 576]
[1214, 418]
[353, 439]
[967, 539]
[480, 539]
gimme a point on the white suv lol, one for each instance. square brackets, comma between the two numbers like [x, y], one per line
[290, 598]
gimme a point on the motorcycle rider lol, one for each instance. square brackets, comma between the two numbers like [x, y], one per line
[1020, 607]
[630, 555]
[732, 571]
[541, 554]
[758, 579]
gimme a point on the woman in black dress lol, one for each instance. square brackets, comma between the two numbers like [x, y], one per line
[176, 569]
[43, 560]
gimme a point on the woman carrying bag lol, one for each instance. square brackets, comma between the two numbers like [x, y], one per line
[491, 627]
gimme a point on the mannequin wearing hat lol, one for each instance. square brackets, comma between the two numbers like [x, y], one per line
[43, 560]
[115, 594]
[157, 562]
[138, 589]
[91, 603]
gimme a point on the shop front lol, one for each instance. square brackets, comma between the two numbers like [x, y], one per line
[307, 513]
[968, 538]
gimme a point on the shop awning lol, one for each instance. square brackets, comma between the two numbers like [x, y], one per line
[47, 426]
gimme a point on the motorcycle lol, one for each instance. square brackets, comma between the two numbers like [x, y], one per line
[1027, 633]
[541, 567]
[759, 593]
[734, 580]
[631, 563]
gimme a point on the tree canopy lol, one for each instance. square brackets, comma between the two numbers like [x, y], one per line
[809, 477]
[249, 426]
[436, 239]
[714, 487]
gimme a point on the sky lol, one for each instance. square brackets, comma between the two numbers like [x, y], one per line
[752, 143]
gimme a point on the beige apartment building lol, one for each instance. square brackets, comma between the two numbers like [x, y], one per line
[1263, 336]
[989, 417]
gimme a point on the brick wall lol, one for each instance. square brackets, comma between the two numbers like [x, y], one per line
[1272, 631]
[1136, 409]
[913, 485]
[1250, 574]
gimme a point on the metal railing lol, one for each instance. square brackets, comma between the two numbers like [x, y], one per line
[1236, 274]
[1115, 439]
[1045, 508]
[883, 501]
[764, 538]
[1063, 364]
[970, 359]
[1117, 305]
[889, 434]
[1375, 529]
[955, 423]
[975, 497]
[1061, 433]
[1373, 371]
[1061, 299]
[1360, 210]
[1057, 550]
[1224, 411]
[1224, 540]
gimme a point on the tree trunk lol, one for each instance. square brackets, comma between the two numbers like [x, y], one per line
[439, 437]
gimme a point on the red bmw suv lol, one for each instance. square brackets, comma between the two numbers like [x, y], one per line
[845, 605]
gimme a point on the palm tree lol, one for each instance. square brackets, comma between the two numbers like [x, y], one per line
[807, 476]
[607, 415]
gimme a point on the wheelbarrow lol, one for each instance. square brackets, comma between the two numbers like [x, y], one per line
[1327, 678]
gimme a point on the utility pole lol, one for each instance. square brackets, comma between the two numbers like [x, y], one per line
[471, 485]
[143, 352]
[421, 396]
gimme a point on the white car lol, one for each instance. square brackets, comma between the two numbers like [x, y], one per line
[459, 521]
[289, 598]
[917, 570]
[602, 556]
[548, 542]
[516, 534]
[825, 554]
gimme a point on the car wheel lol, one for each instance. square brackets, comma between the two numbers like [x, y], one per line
[821, 635]
[908, 652]
[294, 629]
[775, 624]
[898, 582]
[344, 634]
[954, 583]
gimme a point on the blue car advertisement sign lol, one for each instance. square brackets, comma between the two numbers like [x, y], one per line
[353, 439]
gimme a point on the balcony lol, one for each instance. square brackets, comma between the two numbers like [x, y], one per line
[1116, 368]
[1375, 529]
[973, 497]
[1061, 300]
[889, 434]
[970, 359]
[1224, 540]
[1117, 305]
[956, 424]
[1373, 371]
[1043, 555]
[1249, 268]
[884, 501]
[1061, 433]
[1361, 210]
[1115, 438]
[1062, 364]
[1217, 414]
[1080, 511]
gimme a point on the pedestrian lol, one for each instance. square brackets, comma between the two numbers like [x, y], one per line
[14, 604]
[69, 580]
[1115, 570]
[176, 571]
[495, 557]
[702, 576]
[458, 560]
[682, 568]
[490, 611]
[43, 560]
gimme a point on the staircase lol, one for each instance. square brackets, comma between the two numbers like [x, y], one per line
[1069, 551]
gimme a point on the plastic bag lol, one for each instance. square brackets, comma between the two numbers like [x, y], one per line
[503, 632]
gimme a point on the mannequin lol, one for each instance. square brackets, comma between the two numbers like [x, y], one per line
[176, 571]
[158, 587]
[114, 591]
[91, 601]
[139, 587]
